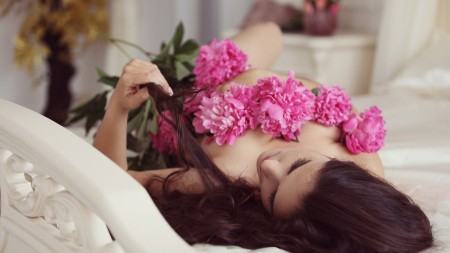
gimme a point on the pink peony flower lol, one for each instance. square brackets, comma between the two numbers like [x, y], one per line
[226, 116]
[333, 106]
[283, 106]
[219, 62]
[364, 132]
[166, 139]
[192, 102]
[245, 94]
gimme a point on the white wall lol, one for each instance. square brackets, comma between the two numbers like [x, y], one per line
[360, 15]
[15, 85]
[147, 23]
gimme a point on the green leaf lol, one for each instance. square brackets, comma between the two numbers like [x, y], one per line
[165, 48]
[182, 71]
[136, 145]
[135, 121]
[185, 57]
[143, 127]
[161, 163]
[93, 110]
[85, 106]
[96, 101]
[154, 124]
[189, 66]
[315, 91]
[75, 118]
[189, 47]
[107, 79]
[133, 162]
[178, 36]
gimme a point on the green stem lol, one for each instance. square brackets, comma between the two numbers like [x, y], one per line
[123, 50]
[117, 41]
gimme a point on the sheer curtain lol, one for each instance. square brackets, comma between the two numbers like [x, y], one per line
[406, 27]
[149, 22]
[123, 25]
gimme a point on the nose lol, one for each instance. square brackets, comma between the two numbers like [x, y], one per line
[271, 169]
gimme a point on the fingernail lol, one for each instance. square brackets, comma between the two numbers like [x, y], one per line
[170, 91]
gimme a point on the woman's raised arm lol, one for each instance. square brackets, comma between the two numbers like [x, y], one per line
[262, 43]
[112, 133]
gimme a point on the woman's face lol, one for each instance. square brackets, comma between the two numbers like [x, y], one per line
[286, 175]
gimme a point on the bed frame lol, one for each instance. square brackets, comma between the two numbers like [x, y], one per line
[59, 194]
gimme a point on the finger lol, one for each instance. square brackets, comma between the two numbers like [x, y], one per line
[133, 80]
[143, 94]
[137, 65]
[160, 80]
[137, 70]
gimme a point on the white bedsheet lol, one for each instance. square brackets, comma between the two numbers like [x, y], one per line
[417, 154]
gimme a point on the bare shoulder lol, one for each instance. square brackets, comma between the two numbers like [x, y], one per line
[327, 140]
[371, 162]
[368, 161]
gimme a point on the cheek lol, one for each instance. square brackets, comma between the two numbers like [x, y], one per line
[286, 202]
[265, 198]
[267, 187]
[291, 193]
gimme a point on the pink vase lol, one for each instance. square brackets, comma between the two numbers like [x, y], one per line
[320, 23]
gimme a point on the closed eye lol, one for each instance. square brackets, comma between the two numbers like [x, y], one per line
[295, 165]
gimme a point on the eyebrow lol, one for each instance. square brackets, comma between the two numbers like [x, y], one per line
[295, 165]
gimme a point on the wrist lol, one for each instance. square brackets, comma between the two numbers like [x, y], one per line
[115, 106]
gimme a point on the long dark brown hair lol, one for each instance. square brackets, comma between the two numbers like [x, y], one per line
[348, 209]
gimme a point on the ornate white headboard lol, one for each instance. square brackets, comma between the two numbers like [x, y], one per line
[59, 194]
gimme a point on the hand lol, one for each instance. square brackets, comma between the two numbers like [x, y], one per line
[127, 94]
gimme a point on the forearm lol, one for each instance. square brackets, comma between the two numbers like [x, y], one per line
[111, 138]
[111, 135]
[187, 182]
[262, 43]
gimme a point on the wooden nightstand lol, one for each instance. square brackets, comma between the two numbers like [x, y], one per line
[344, 59]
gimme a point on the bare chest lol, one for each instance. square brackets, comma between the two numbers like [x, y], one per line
[239, 160]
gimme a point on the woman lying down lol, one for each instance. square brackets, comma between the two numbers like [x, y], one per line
[264, 161]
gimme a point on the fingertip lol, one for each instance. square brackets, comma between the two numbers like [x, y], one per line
[169, 91]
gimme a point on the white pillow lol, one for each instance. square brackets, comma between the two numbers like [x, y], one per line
[428, 74]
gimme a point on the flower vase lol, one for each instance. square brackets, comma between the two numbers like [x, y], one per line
[321, 22]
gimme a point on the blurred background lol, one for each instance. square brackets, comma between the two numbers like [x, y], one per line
[310, 50]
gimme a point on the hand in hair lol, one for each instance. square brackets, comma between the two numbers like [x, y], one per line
[110, 138]
[128, 95]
